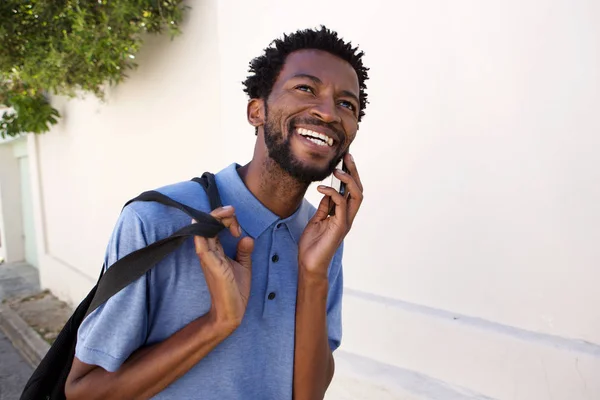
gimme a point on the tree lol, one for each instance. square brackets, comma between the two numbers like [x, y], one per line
[67, 46]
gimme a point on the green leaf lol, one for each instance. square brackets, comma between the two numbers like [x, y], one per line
[65, 46]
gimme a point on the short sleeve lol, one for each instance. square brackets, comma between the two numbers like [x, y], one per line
[334, 301]
[111, 333]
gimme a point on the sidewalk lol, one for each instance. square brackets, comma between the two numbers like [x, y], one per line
[18, 279]
[14, 370]
[29, 317]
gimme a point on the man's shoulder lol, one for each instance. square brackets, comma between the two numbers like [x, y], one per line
[189, 193]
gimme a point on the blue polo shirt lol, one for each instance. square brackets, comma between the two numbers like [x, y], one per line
[256, 361]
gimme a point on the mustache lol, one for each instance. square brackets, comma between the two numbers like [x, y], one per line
[339, 135]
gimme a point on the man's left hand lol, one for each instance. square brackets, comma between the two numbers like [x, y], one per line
[323, 233]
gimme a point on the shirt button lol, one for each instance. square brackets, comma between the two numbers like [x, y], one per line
[275, 258]
[271, 295]
[279, 225]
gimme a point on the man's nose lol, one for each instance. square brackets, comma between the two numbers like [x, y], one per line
[326, 111]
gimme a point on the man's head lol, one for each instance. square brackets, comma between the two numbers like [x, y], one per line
[307, 96]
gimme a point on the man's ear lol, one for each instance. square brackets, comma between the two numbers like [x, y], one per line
[256, 112]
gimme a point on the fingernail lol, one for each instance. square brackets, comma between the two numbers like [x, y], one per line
[351, 158]
[227, 207]
[240, 229]
[194, 221]
[322, 187]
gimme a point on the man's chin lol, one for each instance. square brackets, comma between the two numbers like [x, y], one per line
[305, 173]
[318, 166]
[304, 168]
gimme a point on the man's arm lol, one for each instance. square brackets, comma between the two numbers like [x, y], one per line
[313, 361]
[150, 370]
[322, 237]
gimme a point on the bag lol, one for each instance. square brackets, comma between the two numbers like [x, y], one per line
[48, 380]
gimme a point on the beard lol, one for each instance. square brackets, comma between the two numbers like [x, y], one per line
[279, 147]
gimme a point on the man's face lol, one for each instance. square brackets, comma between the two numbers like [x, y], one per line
[312, 114]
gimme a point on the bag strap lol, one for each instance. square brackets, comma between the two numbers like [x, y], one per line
[208, 182]
[131, 267]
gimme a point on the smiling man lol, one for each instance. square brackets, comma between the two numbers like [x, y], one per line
[256, 312]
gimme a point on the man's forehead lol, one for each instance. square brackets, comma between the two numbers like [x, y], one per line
[323, 65]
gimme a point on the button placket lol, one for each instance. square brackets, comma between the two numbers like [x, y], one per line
[272, 285]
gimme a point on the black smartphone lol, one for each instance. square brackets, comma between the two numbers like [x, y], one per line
[338, 185]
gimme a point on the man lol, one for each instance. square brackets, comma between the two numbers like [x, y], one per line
[261, 315]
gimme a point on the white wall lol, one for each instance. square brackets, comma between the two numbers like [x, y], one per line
[473, 261]
[11, 224]
[161, 126]
[479, 145]
[479, 159]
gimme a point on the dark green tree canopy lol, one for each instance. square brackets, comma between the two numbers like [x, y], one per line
[67, 46]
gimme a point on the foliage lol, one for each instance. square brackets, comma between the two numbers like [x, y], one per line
[66, 46]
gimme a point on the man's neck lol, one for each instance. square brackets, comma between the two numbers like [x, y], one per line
[273, 187]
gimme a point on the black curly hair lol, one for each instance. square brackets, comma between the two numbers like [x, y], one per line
[265, 69]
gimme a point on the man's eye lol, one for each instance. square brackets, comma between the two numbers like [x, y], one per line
[348, 105]
[305, 88]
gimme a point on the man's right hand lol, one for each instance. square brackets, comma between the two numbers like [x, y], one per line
[228, 280]
[151, 369]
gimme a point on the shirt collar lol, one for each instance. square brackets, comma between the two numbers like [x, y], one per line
[252, 215]
[297, 222]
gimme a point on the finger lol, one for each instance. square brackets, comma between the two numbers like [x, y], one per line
[212, 267]
[338, 199]
[207, 249]
[244, 252]
[214, 245]
[223, 212]
[331, 192]
[355, 195]
[226, 215]
[351, 185]
[352, 170]
[350, 206]
[201, 245]
[323, 209]
[206, 257]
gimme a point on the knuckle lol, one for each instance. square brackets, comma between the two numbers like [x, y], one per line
[201, 253]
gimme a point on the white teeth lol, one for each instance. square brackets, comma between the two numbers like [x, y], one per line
[311, 135]
[317, 141]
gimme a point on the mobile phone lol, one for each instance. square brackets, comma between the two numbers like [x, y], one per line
[337, 185]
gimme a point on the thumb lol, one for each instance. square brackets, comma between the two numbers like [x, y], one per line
[244, 252]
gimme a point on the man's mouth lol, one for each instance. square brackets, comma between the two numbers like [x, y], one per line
[316, 137]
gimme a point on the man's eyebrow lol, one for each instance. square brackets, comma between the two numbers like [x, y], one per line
[307, 76]
[345, 93]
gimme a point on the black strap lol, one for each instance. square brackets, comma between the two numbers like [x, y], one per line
[131, 267]
[208, 182]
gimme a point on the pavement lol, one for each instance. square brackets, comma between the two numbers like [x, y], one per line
[14, 370]
[16, 280]
[29, 317]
